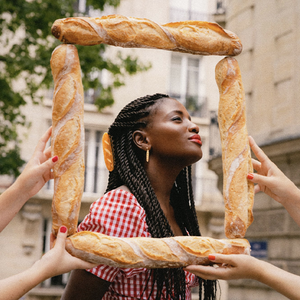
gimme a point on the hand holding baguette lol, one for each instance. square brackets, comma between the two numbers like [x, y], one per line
[195, 37]
[238, 192]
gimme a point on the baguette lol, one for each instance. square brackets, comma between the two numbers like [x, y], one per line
[195, 37]
[238, 192]
[142, 252]
[67, 137]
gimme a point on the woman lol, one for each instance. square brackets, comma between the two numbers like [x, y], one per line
[149, 194]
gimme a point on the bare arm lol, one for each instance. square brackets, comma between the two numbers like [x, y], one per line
[55, 262]
[36, 173]
[274, 183]
[84, 285]
[244, 266]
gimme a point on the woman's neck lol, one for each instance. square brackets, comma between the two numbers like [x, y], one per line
[162, 178]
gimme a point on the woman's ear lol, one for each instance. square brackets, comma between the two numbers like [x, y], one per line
[140, 139]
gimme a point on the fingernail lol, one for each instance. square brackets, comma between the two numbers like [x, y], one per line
[211, 257]
[250, 176]
[55, 158]
[63, 229]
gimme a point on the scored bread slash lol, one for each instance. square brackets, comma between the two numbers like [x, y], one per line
[107, 152]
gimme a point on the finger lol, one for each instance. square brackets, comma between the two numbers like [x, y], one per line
[47, 152]
[204, 272]
[43, 140]
[260, 179]
[48, 164]
[222, 259]
[259, 153]
[81, 264]
[51, 175]
[256, 165]
[256, 189]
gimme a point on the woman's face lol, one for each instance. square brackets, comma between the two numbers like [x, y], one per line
[172, 134]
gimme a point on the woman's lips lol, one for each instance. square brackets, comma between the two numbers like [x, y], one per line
[196, 139]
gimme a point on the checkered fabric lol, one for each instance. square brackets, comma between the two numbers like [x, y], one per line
[119, 214]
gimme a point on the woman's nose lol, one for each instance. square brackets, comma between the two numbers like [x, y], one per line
[194, 127]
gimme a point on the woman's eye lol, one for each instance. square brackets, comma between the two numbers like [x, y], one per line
[176, 119]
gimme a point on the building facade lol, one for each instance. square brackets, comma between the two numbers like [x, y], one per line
[269, 67]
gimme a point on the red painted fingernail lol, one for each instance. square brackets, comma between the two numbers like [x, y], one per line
[63, 229]
[55, 158]
[211, 257]
[250, 176]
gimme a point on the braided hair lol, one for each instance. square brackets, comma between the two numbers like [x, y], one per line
[129, 171]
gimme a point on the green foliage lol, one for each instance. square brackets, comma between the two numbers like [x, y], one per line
[10, 162]
[26, 48]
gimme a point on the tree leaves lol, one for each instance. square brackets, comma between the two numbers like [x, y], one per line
[27, 45]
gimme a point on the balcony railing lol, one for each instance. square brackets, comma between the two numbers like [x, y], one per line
[204, 187]
[197, 106]
[177, 15]
[215, 148]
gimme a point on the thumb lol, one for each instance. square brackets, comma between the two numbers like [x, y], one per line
[61, 236]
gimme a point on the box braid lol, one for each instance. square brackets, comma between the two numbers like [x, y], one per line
[129, 171]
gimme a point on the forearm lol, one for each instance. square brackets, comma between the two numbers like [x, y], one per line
[16, 286]
[282, 281]
[292, 204]
[11, 201]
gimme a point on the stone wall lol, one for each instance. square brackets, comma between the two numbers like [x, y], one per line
[269, 64]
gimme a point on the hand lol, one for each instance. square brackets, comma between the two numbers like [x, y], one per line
[38, 170]
[58, 261]
[269, 178]
[233, 266]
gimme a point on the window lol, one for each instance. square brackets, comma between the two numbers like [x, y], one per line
[187, 85]
[96, 173]
[188, 10]
[91, 94]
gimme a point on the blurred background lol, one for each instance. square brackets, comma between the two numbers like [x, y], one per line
[114, 76]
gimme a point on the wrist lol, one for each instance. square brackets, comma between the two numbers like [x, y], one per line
[19, 189]
[257, 269]
[42, 270]
[292, 198]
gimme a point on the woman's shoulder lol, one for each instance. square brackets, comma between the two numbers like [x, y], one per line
[123, 188]
[121, 195]
[121, 191]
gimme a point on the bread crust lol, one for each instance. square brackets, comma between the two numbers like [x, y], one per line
[238, 192]
[67, 141]
[195, 37]
[142, 252]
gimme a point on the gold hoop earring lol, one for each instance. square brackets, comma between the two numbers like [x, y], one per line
[147, 155]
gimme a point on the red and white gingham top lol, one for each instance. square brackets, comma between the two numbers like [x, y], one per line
[119, 214]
